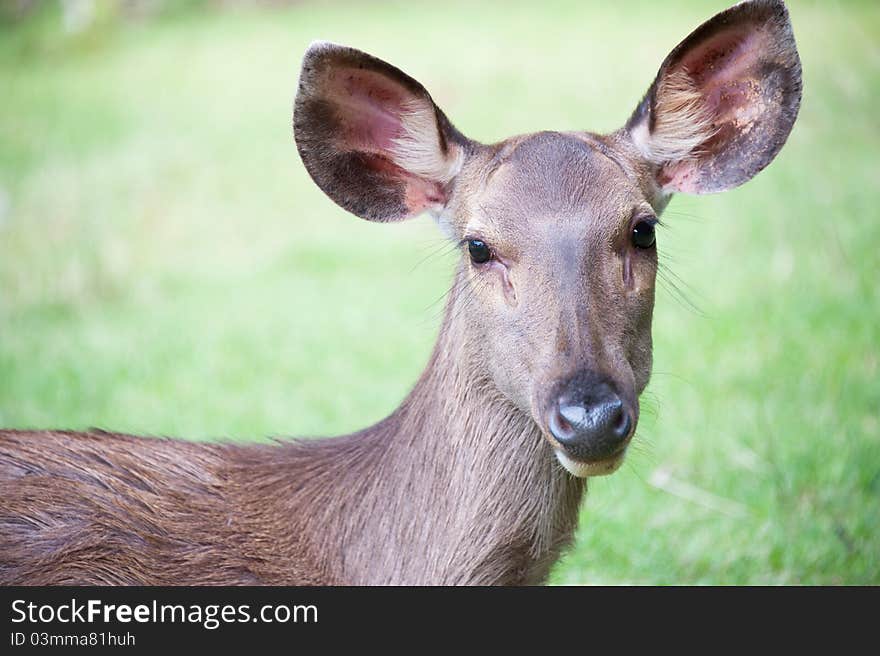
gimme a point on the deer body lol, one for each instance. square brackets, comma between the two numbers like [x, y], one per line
[457, 488]
[533, 384]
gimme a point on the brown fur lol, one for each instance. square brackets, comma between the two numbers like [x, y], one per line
[454, 488]
[460, 484]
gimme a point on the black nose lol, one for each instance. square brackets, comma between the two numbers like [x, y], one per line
[590, 420]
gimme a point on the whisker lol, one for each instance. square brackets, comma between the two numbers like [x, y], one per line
[672, 285]
[436, 251]
[694, 218]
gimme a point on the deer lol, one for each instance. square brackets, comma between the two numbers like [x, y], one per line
[532, 387]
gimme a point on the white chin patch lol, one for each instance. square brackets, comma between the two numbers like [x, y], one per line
[586, 469]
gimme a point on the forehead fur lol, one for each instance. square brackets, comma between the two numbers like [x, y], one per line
[550, 175]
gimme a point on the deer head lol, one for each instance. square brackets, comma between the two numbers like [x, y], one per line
[556, 229]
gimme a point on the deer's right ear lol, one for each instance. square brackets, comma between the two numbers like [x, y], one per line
[371, 137]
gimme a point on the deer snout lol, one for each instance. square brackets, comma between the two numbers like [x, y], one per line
[592, 423]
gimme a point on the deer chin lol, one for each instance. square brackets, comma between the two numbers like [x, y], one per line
[588, 469]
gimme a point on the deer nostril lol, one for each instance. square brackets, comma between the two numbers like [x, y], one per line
[559, 426]
[574, 415]
[622, 423]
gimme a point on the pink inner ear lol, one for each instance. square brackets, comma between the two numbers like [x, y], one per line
[726, 55]
[369, 107]
[681, 176]
[420, 194]
[726, 70]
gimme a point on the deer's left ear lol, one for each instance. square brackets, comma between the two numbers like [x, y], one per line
[371, 137]
[723, 102]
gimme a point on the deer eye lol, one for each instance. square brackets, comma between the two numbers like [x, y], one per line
[479, 251]
[643, 234]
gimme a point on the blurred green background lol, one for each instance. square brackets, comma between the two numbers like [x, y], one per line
[167, 267]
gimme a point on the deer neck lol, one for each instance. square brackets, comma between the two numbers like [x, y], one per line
[457, 485]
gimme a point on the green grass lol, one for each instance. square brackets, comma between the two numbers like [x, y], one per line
[167, 267]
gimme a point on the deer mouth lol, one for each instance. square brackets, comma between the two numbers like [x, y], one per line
[586, 469]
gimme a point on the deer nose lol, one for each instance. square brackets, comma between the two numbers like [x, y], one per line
[591, 423]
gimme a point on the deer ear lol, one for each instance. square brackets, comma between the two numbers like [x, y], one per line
[723, 102]
[371, 137]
